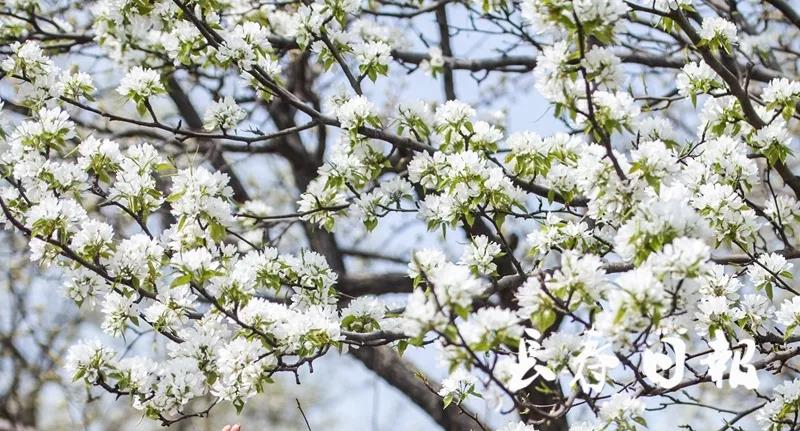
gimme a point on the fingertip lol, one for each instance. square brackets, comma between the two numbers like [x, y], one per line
[226, 428]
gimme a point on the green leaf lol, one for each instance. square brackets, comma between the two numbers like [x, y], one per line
[180, 281]
[79, 374]
[470, 217]
[348, 320]
[164, 166]
[447, 400]
[174, 197]
[462, 312]
[402, 345]
[217, 231]
[370, 223]
[544, 319]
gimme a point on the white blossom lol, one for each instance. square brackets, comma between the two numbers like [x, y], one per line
[140, 83]
[223, 114]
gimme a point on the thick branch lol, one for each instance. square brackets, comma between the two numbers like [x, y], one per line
[403, 376]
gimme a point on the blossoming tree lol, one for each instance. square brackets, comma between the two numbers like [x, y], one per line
[663, 219]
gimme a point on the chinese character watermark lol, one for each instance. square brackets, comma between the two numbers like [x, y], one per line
[592, 365]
